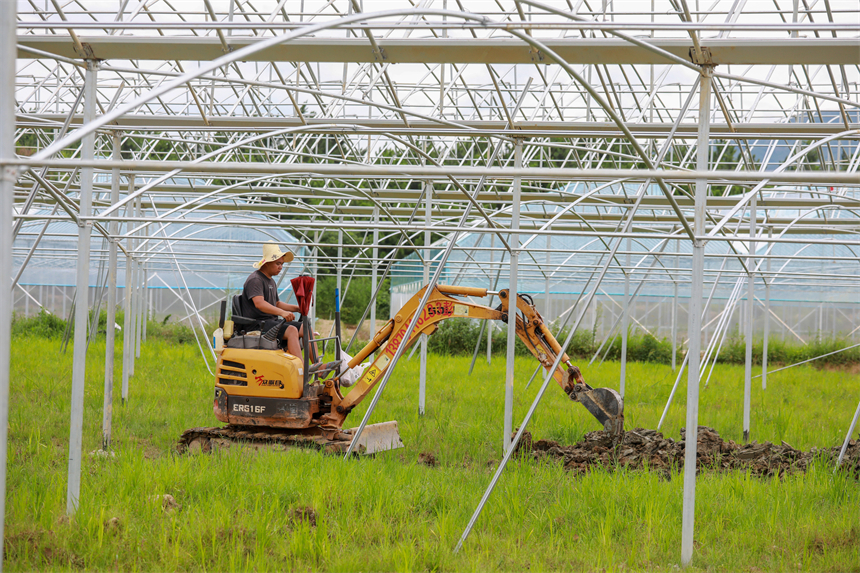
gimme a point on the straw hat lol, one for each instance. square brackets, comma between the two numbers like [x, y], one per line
[272, 252]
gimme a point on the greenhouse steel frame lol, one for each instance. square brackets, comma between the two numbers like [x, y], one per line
[397, 123]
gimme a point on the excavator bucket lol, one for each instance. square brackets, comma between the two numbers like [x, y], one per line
[376, 438]
[604, 404]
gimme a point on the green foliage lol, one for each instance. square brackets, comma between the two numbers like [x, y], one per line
[790, 352]
[172, 332]
[247, 510]
[26, 144]
[44, 324]
[725, 157]
[47, 325]
[459, 336]
[357, 297]
[640, 348]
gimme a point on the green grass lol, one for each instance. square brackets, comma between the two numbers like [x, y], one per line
[390, 512]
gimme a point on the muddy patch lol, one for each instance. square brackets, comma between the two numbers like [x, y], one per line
[305, 514]
[39, 547]
[649, 449]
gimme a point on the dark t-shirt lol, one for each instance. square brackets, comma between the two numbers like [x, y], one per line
[259, 284]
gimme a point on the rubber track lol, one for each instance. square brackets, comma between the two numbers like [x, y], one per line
[254, 436]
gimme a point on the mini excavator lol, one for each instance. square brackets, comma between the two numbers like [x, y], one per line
[269, 397]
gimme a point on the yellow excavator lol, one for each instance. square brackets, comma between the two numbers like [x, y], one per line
[269, 397]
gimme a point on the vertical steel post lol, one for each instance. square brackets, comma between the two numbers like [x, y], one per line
[750, 318]
[428, 212]
[314, 272]
[766, 334]
[132, 292]
[138, 288]
[675, 306]
[127, 324]
[695, 320]
[546, 308]
[339, 265]
[146, 303]
[512, 297]
[132, 349]
[489, 302]
[373, 274]
[8, 53]
[76, 424]
[110, 334]
[339, 259]
[625, 318]
[339, 287]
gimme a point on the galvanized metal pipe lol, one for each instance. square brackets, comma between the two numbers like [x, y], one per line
[675, 311]
[76, 423]
[547, 274]
[750, 322]
[512, 299]
[133, 291]
[314, 272]
[404, 171]
[625, 318]
[139, 301]
[766, 335]
[695, 322]
[428, 219]
[339, 270]
[127, 337]
[110, 334]
[146, 303]
[373, 270]
[8, 19]
[490, 325]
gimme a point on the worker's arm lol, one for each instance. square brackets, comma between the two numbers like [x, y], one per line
[289, 307]
[261, 305]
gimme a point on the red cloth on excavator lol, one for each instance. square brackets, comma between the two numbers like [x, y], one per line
[303, 288]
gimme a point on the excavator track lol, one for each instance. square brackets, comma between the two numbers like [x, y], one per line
[375, 438]
[211, 439]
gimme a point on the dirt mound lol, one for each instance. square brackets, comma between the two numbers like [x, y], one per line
[648, 449]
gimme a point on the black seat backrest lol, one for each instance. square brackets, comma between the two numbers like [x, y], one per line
[240, 317]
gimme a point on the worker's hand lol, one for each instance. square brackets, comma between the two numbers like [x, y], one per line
[289, 316]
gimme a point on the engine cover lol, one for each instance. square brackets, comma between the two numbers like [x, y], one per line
[259, 373]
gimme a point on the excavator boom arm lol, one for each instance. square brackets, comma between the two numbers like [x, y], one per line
[440, 306]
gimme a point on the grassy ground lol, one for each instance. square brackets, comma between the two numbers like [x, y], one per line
[305, 511]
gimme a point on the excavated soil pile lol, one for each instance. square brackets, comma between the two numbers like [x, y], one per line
[648, 449]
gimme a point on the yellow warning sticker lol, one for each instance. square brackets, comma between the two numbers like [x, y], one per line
[370, 376]
[382, 362]
[461, 310]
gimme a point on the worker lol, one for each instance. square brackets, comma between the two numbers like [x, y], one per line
[260, 298]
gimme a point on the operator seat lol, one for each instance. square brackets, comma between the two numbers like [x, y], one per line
[240, 319]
